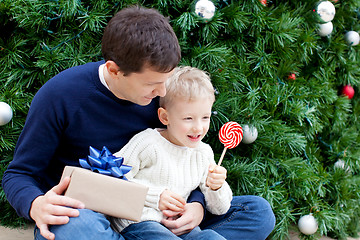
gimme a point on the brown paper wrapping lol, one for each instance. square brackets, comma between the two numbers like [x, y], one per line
[105, 194]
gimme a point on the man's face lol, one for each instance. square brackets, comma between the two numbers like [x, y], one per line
[140, 88]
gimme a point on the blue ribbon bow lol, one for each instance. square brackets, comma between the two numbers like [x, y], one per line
[105, 163]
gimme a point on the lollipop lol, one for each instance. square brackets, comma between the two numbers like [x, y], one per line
[230, 135]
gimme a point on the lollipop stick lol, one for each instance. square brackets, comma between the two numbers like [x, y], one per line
[222, 156]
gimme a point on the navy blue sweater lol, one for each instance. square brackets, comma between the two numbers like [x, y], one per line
[71, 112]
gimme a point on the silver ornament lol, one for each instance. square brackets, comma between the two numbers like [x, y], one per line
[205, 9]
[250, 134]
[325, 11]
[352, 38]
[325, 29]
[307, 224]
[6, 113]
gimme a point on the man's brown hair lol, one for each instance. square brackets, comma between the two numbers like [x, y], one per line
[138, 37]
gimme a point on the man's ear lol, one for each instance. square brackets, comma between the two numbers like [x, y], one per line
[163, 116]
[113, 69]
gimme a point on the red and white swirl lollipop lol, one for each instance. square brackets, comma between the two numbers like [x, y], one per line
[230, 135]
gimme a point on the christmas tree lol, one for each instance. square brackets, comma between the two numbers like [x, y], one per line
[285, 70]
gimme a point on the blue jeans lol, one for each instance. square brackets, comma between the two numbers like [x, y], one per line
[249, 218]
[89, 225]
[155, 230]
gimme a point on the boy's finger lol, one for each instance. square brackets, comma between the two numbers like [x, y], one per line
[212, 168]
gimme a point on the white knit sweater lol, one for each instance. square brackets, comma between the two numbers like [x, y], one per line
[160, 164]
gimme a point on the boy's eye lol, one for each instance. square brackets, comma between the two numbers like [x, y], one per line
[187, 118]
[206, 117]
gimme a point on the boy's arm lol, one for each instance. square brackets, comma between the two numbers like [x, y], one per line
[218, 201]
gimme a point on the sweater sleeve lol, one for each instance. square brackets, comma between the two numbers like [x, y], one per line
[24, 180]
[45, 144]
[139, 154]
[217, 202]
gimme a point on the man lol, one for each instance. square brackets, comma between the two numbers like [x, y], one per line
[104, 104]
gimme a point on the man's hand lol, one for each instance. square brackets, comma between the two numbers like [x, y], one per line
[189, 218]
[54, 209]
[171, 201]
[216, 177]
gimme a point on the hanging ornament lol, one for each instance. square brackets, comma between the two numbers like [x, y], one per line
[348, 91]
[292, 76]
[6, 113]
[352, 38]
[307, 224]
[325, 29]
[205, 9]
[263, 2]
[250, 134]
[340, 164]
[324, 11]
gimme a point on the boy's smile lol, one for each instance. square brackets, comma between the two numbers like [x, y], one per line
[187, 121]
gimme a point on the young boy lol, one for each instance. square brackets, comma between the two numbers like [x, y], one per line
[174, 161]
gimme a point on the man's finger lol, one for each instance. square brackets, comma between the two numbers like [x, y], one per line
[64, 211]
[58, 220]
[62, 186]
[66, 201]
[44, 231]
[180, 231]
[170, 224]
[176, 227]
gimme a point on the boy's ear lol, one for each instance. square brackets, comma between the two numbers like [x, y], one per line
[163, 116]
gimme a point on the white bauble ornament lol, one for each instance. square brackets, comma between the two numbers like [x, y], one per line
[325, 29]
[205, 9]
[250, 134]
[325, 10]
[341, 164]
[352, 38]
[307, 224]
[6, 113]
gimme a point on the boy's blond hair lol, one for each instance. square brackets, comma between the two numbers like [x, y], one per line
[189, 83]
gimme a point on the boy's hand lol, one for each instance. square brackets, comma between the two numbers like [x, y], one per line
[216, 177]
[171, 201]
[189, 218]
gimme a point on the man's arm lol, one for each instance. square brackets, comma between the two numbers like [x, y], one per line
[25, 178]
[197, 196]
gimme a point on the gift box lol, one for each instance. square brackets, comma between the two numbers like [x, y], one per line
[109, 195]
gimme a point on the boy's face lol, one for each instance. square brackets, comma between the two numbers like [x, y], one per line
[187, 121]
[140, 88]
